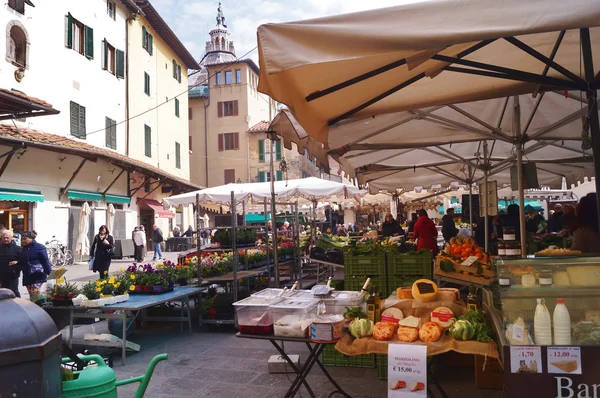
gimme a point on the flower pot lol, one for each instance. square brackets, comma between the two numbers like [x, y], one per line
[147, 288]
[61, 302]
[211, 313]
[182, 282]
[157, 288]
[171, 284]
[138, 288]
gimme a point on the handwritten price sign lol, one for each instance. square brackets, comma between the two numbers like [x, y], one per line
[525, 359]
[564, 360]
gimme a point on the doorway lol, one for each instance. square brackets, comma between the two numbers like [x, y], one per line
[147, 220]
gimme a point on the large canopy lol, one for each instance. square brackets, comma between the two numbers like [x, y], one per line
[432, 53]
[312, 189]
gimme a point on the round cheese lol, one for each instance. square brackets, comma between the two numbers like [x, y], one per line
[442, 316]
[392, 315]
[424, 290]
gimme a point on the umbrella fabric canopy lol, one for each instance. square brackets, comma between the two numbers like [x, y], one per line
[419, 55]
[83, 243]
[313, 189]
[110, 217]
[206, 221]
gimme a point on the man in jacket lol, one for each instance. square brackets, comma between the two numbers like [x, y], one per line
[449, 230]
[139, 241]
[157, 238]
[10, 269]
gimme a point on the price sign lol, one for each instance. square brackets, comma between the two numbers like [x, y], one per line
[469, 261]
[525, 359]
[564, 360]
[407, 370]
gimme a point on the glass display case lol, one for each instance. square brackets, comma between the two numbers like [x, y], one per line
[548, 301]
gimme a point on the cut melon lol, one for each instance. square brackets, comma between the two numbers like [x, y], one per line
[424, 290]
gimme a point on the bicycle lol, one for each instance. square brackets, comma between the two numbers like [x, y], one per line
[58, 253]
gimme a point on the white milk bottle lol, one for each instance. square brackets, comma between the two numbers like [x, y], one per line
[562, 323]
[542, 325]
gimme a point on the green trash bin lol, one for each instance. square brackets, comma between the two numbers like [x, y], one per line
[96, 381]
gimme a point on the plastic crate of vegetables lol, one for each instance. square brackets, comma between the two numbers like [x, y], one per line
[356, 283]
[331, 357]
[396, 281]
[412, 263]
[372, 264]
[381, 362]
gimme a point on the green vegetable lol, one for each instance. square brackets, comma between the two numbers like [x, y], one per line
[361, 328]
[462, 330]
[354, 312]
[447, 265]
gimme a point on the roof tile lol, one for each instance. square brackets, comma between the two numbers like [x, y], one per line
[259, 127]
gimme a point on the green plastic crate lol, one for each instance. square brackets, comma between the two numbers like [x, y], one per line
[382, 368]
[365, 264]
[410, 264]
[356, 283]
[331, 357]
[394, 282]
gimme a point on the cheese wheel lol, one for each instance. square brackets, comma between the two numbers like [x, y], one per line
[407, 334]
[392, 315]
[448, 294]
[424, 290]
[430, 332]
[442, 316]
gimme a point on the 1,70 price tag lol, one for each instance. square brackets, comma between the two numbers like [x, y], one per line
[526, 354]
[526, 359]
[564, 360]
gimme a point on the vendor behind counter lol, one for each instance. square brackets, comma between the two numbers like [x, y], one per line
[391, 227]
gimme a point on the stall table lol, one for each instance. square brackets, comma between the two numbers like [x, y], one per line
[137, 304]
[315, 350]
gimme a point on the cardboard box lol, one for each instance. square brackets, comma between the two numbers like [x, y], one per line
[455, 360]
[492, 377]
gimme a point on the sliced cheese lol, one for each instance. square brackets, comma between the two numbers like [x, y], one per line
[424, 290]
[582, 275]
[567, 366]
[561, 279]
[410, 321]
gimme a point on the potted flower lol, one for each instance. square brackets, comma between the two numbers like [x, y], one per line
[184, 274]
[63, 293]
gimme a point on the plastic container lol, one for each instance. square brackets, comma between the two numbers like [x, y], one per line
[273, 293]
[254, 314]
[528, 280]
[338, 301]
[545, 278]
[505, 278]
[561, 323]
[542, 325]
[292, 317]
[509, 234]
[326, 328]
[302, 294]
[502, 249]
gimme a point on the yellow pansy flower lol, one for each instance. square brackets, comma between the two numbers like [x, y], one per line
[60, 280]
[132, 277]
[98, 290]
[131, 287]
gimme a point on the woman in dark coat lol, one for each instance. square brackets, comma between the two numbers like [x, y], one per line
[391, 227]
[102, 250]
[36, 265]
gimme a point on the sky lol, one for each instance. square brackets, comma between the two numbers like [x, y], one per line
[191, 20]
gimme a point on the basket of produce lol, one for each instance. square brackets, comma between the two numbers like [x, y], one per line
[462, 259]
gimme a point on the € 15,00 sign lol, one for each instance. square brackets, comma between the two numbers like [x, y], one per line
[407, 370]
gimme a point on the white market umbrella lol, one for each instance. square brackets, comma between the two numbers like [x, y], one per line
[83, 243]
[110, 217]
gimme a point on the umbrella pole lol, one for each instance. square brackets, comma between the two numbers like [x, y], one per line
[471, 207]
[266, 237]
[592, 97]
[517, 130]
[274, 216]
[485, 197]
[198, 242]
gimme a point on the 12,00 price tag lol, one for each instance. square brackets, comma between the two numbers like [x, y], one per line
[525, 359]
[564, 360]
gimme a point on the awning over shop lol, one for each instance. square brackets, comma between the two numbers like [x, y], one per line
[19, 195]
[117, 199]
[15, 104]
[157, 207]
[84, 195]
[256, 218]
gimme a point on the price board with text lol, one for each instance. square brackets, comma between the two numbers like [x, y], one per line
[407, 370]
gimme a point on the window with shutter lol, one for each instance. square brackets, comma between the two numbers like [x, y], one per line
[261, 151]
[229, 176]
[228, 77]
[235, 108]
[174, 69]
[279, 175]
[89, 42]
[147, 141]
[177, 155]
[76, 35]
[147, 40]
[108, 58]
[176, 107]
[111, 133]
[77, 120]
[69, 30]
[179, 73]
[230, 108]
[220, 139]
[230, 141]
[277, 150]
[238, 76]
[218, 78]
[236, 140]
[262, 176]
[147, 84]
[120, 59]
[220, 109]
[150, 44]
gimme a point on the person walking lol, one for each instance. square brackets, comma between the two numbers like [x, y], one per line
[157, 238]
[426, 232]
[36, 265]
[586, 237]
[139, 241]
[102, 251]
[10, 269]
[449, 229]
[204, 234]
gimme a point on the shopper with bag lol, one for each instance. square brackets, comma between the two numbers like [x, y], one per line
[10, 268]
[102, 250]
[36, 265]
[157, 238]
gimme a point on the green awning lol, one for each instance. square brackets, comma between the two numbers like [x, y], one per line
[256, 218]
[84, 195]
[19, 195]
[117, 199]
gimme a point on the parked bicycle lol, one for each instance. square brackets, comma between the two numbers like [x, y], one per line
[58, 253]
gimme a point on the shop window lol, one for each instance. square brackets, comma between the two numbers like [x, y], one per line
[16, 45]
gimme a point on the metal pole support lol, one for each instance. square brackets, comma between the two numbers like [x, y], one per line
[517, 132]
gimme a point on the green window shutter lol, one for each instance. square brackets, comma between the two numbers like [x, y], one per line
[150, 44]
[69, 28]
[177, 155]
[144, 37]
[261, 176]
[261, 151]
[89, 42]
[104, 54]
[147, 141]
[179, 73]
[277, 150]
[82, 133]
[174, 69]
[279, 175]
[120, 58]
[74, 118]
[176, 107]
[146, 83]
